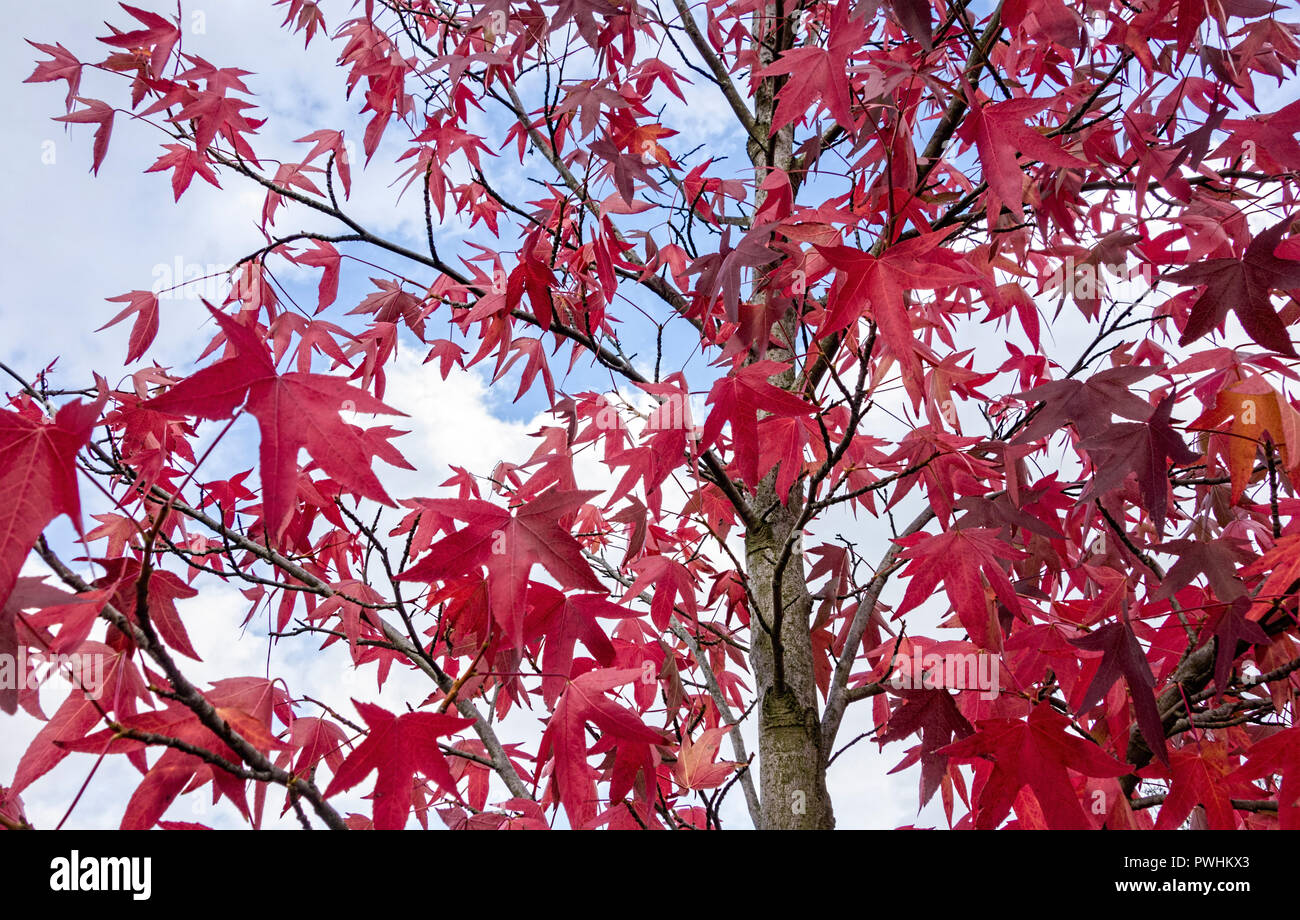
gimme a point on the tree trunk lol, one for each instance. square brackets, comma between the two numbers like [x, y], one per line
[792, 764]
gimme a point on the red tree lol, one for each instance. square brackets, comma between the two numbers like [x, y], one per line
[980, 451]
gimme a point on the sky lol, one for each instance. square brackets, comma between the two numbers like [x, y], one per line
[74, 239]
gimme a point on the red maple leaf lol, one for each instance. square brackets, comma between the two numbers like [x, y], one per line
[184, 162]
[565, 742]
[877, 285]
[818, 76]
[964, 560]
[144, 304]
[63, 65]
[324, 256]
[738, 398]
[1198, 775]
[1000, 133]
[1243, 286]
[79, 713]
[1278, 754]
[1143, 448]
[1122, 655]
[38, 482]
[397, 747]
[294, 410]
[95, 113]
[933, 714]
[1086, 404]
[509, 545]
[566, 620]
[314, 740]
[158, 35]
[1037, 753]
[672, 582]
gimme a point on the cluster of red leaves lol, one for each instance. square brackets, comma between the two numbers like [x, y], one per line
[1120, 565]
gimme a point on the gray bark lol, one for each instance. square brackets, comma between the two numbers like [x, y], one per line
[791, 761]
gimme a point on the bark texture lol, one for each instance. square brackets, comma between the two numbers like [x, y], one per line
[791, 761]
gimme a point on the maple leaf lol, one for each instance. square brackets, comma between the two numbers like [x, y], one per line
[1197, 774]
[565, 620]
[1243, 286]
[1143, 448]
[293, 410]
[671, 580]
[509, 545]
[397, 747]
[11, 809]
[963, 560]
[164, 589]
[1282, 563]
[935, 716]
[185, 163]
[306, 17]
[324, 256]
[79, 713]
[1086, 404]
[214, 113]
[879, 284]
[391, 303]
[74, 614]
[315, 740]
[1249, 414]
[533, 275]
[1216, 559]
[160, 787]
[38, 482]
[331, 141]
[819, 74]
[564, 742]
[144, 304]
[696, 768]
[1037, 753]
[1122, 655]
[1272, 136]
[1231, 625]
[738, 398]
[781, 446]
[627, 167]
[1001, 512]
[943, 466]
[63, 65]
[158, 35]
[95, 113]
[1279, 754]
[536, 352]
[999, 133]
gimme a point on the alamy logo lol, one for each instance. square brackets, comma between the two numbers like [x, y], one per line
[103, 873]
[950, 671]
[29, 671]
